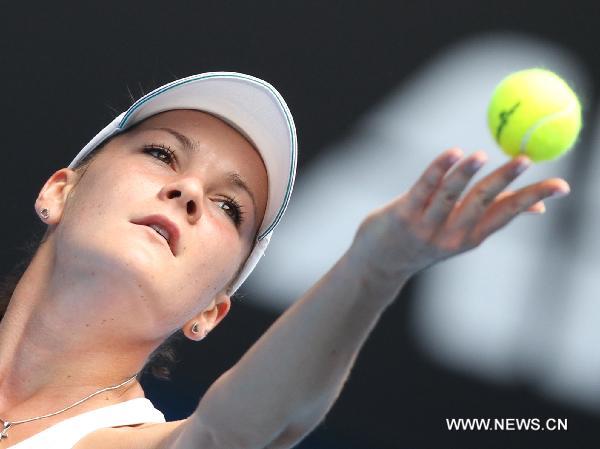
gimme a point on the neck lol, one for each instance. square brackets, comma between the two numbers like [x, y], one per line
[57, 345]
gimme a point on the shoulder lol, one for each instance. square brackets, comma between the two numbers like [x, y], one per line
[141, 436]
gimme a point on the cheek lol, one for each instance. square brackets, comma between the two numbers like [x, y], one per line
[105, 186]
[214, 252]
[205, 272]
[96, 219]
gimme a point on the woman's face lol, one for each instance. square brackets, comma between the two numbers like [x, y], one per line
[135, 176]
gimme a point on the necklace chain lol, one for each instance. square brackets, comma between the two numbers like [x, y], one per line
[8, 424]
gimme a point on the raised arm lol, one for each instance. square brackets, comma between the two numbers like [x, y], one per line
[288, 380]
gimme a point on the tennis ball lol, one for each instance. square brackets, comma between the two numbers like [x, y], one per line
[534, 112]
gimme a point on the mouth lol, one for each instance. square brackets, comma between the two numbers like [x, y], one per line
[163, 227]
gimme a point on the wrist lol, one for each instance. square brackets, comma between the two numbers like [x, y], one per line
[374, 282]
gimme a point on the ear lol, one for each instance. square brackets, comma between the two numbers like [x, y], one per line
[209, 318]
[54, 193]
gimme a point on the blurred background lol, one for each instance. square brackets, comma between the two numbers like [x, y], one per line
[377, 90]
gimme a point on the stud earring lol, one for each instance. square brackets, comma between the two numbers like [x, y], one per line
[195, 330]
[44, 213]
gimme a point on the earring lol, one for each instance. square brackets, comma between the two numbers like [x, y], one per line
[44, 213]
[195, 330]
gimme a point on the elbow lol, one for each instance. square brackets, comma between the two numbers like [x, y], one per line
[290, 436]
[207, 435]
[216, 437]
[298, 429]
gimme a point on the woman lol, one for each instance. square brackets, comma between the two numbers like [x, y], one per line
[154, 226]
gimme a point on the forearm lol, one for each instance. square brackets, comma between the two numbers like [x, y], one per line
[291, 376]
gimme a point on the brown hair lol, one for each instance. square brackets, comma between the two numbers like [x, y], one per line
[162, 360]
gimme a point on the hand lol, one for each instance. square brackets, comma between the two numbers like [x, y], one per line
[431, 222]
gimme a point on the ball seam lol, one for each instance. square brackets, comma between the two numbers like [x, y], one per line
[527, 136]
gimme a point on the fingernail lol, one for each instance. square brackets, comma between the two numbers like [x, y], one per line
[537, 212]
[475, 164]
[558, 193]
[453, 158]
[521, 166]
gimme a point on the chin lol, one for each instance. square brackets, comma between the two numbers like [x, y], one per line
[118, 259]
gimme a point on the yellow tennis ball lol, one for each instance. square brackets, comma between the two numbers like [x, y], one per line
[534, 112]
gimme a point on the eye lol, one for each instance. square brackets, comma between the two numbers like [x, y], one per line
[233, 209]
[165, 154]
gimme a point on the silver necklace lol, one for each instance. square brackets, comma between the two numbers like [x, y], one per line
[8, 424]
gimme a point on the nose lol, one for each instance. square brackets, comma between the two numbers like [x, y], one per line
[188, 193]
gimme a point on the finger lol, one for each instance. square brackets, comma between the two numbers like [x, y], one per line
[421, 191]
[445, 197]
[537, 208]
[475, 203]
[508, 208]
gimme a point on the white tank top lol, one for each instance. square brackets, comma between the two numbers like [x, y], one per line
[65, 434]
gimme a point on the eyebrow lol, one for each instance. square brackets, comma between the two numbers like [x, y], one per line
[233, 178]
[184, 140]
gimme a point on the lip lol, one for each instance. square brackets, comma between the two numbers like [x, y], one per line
[164, 222]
